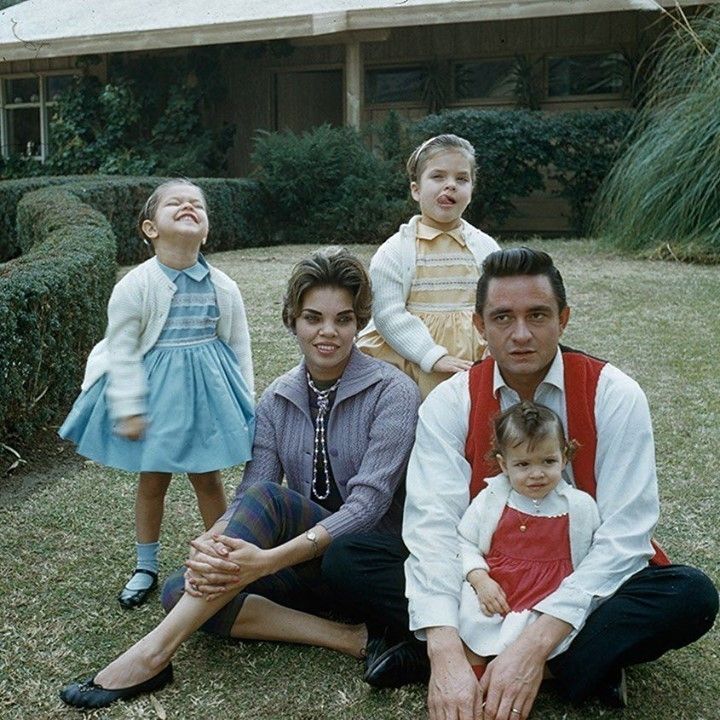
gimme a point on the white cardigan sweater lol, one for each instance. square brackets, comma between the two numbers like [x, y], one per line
[392, 270]
[478, 524]
[137, 311]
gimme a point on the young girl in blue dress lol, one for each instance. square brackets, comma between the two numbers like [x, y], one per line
[170, 387]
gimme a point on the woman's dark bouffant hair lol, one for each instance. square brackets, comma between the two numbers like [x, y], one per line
[531, 423]
[330, 267]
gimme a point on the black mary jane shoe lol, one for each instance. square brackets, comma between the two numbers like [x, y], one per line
[87, 694]
[135, 598]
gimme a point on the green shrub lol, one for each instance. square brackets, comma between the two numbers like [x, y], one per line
[50, 300]
[662, 195]
[233, 206]
[584, 147]
[126, 127]
[325, 186]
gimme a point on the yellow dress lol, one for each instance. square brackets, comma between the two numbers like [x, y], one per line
[442, 295]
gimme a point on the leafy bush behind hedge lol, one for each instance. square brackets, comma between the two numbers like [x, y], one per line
[50, 307]
[233, 205]
[327, 186]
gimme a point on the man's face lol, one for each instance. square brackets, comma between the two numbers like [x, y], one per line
[522, 326]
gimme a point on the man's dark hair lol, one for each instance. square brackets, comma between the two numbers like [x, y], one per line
[519, 261]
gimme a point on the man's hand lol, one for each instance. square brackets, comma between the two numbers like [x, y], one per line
[453, 688]
[491, 596]
[512, 680]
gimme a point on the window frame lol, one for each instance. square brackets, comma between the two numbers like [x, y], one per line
[43, 105]
[391, 67]
[480, 100]
[570, 97]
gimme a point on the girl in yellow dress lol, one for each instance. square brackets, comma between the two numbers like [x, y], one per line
[424, 276]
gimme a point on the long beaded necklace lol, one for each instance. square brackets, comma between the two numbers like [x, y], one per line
[319, 447]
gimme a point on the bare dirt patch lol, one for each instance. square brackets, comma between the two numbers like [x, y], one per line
[48, 460]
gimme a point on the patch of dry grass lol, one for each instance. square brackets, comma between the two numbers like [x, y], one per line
[67, 547]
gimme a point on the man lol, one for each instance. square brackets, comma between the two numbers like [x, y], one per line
[632, 611]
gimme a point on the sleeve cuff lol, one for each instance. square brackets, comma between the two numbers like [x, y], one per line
[431, 357]
[471, 564]
[126, 408]
[436, 611]
[567, 604]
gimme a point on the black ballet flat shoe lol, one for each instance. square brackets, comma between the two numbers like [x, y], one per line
[405, 663]
[87, 694]
[134, 598]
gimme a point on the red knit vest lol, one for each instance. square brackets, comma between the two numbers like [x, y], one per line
[582, 373]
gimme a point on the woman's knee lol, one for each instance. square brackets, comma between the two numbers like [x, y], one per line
[266, 493]
[173, 589]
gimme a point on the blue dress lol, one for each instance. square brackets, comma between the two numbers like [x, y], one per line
[199, 409]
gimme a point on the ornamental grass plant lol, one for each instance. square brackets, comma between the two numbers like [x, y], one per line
[67, 524]
[662, 196]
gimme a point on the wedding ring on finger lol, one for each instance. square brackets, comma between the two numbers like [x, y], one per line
[515, 710]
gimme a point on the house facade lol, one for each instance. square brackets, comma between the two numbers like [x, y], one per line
[301, 64]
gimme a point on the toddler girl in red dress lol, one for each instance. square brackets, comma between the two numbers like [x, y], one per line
[523, 534]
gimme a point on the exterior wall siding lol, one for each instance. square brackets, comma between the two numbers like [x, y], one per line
[252, 78]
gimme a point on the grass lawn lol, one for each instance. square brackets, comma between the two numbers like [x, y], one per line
[68, 544]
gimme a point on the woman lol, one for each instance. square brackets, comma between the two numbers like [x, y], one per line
[339, 427]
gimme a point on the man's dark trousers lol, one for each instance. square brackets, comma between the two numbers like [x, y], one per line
[656, 610]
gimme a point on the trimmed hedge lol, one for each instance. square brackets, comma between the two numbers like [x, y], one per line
[327, 186]
[234, 208]
[50, 307]
[585, 146]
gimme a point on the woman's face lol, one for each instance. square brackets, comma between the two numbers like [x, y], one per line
[325, 331]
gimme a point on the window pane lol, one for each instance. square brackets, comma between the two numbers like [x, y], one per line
[23, 127]
[586, 75]
[485, 79]
[56, 84]
[22, 90]
[395, 85]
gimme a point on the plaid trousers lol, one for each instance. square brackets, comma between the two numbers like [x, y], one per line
[269, 515]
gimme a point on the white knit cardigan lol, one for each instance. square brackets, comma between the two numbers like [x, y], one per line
[392, 270]
[137, 311]
[475, 537]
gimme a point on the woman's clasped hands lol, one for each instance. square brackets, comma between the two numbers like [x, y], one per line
[218, 563]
